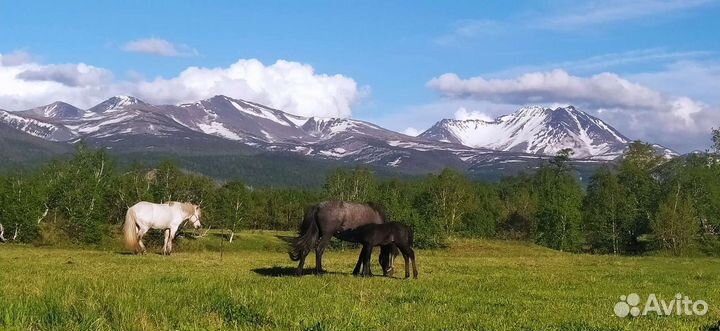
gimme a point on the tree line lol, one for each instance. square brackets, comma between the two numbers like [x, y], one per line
[641, 203]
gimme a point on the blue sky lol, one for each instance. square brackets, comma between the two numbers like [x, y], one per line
[647, 67]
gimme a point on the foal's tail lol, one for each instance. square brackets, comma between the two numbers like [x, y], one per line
[130, 230]
[308, 235]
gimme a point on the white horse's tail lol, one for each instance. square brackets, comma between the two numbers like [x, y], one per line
[130, 230]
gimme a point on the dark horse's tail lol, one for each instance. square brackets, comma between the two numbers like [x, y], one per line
[411, 236]
[308, 235]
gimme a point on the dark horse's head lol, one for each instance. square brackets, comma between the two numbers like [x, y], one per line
[387, 255]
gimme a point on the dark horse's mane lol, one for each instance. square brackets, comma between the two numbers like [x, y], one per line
[379, 208]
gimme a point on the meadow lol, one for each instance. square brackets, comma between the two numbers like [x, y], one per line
[471, 285]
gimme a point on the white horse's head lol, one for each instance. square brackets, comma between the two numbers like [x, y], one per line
[195, 217]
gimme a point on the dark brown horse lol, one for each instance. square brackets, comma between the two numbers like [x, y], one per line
[328, 219]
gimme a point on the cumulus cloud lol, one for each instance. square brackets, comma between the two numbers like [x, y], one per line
[32, 84]
[602, 90]
[15, 58]
[413, 132]
[67, 74]
[635, 109]
[695, 79]
[290, 86]
[157, 46]
[463, 114]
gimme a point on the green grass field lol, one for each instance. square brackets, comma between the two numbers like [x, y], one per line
[473, 285]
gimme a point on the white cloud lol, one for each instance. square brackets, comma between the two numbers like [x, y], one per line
[67, 74]
[635, 109]
[15, 58]
[603, 12]
[695, 79]
[157, 46]
[571, 16]
[601, 90]
[413, 132]
[32, 84]
[463, 114]
[290, 86]
[468, 29]
[606, 61]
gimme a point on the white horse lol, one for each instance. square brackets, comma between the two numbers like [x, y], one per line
[144, 216]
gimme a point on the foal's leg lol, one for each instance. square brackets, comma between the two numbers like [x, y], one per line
[359, 264]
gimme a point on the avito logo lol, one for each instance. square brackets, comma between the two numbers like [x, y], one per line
[679, 305]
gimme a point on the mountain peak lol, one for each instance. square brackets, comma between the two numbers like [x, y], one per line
[57, 109]
[219, 97]
[223, 98]
[116, 102]
[535, 130]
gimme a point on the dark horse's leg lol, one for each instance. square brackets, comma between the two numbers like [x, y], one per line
[366, 260]
[405, 250]
[324, 241]
[414, 265]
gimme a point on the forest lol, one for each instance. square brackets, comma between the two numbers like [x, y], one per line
[640, 204]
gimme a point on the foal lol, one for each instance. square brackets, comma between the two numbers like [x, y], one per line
[386, 235]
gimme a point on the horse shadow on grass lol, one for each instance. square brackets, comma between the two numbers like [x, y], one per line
[289, 271]
[711, 327]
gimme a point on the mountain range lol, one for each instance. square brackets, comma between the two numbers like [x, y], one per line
[225, 127]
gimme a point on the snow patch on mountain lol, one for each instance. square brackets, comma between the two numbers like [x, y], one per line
[36, 127]
[260, 112]
[218, 129]
[116, 103]
[534, 130]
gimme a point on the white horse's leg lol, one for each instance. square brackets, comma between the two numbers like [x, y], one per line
[170, 239]
[166, 249]
[141, 233]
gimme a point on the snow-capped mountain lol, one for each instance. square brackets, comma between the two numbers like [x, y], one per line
[117, 102]
[225, 125]
[535, 130]
[237, 120]
[57, 110]
[36, 127]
